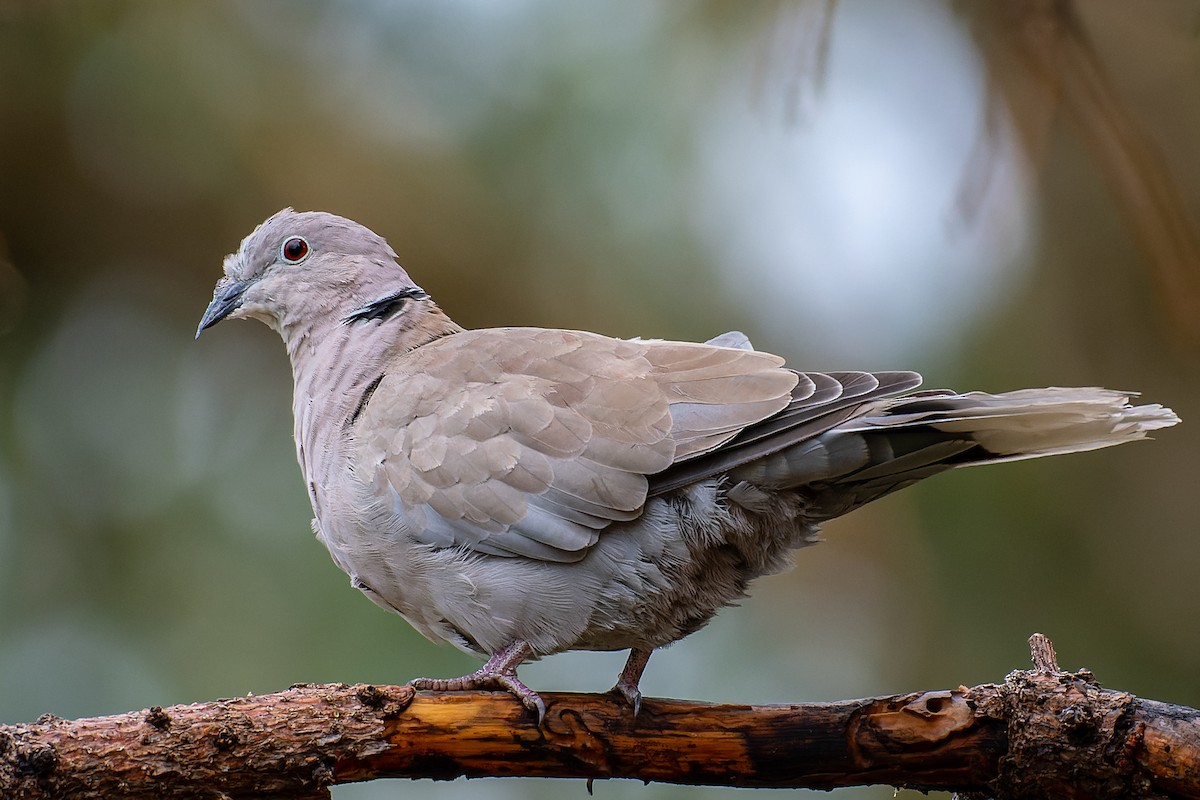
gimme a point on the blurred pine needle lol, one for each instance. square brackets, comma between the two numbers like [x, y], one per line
[1040, 60]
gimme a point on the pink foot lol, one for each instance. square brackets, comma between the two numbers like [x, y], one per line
[500, 672]
[631, 675]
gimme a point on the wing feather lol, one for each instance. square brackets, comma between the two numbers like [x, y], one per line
[833, 398]
[530, 442]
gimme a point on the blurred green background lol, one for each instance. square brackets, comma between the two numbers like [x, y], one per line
[999, 195]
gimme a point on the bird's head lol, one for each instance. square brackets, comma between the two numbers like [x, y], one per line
[302, 270]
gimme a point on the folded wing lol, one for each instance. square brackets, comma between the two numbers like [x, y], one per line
[530, 442]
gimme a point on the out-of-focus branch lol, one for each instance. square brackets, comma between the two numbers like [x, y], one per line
[1041, 60]
[1041, 733]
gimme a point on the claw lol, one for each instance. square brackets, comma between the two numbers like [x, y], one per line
[528, 697]
[630, 694]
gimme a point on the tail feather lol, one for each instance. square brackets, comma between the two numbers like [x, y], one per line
[1027, 423]
[895, 442]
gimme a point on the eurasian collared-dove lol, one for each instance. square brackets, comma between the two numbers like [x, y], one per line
[519, 492]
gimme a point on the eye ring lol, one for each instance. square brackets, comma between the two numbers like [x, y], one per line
[294, 250]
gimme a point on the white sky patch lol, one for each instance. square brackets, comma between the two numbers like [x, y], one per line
[842, 230]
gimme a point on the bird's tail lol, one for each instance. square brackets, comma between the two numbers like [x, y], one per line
[1027, 423]
[895, 442]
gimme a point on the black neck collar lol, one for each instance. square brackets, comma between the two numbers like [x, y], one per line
[385, 307]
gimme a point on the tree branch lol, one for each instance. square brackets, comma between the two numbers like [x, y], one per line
[1040, 733]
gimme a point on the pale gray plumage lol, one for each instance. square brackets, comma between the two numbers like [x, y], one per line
[520, 491]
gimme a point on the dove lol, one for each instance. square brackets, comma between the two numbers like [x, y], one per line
[519, 492]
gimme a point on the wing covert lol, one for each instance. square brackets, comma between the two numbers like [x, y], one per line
[529, 442]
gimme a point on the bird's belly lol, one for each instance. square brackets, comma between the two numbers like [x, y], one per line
[645, 583]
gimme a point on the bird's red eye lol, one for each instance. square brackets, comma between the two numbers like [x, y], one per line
[294, 250]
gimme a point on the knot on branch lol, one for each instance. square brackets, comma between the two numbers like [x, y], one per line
[1067, 736]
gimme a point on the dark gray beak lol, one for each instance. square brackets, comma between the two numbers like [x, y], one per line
[226, 299]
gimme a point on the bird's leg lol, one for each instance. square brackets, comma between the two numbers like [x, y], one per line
[631, 675]
[500, 672]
